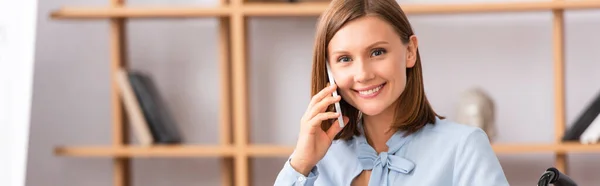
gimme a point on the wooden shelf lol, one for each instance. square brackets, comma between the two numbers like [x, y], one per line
[314, 9]
[269, 150]
[305, 9]
[568, 147]
[284, 9]
[500, 7]
[516, 148]
[279, 150]
[153, 151]
[140, 12]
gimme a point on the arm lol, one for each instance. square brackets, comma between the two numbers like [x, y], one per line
[289, 176]
[476, 163]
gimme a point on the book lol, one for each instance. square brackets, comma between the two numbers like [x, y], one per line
[161, 124]
[583, 121]
[135, 115]
[592, 133]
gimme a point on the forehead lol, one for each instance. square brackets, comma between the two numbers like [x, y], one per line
[361, 32]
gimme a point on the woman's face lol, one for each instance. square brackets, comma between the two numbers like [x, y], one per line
[368, 62]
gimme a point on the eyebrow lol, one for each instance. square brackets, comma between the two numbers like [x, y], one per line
[377, 43]
[368, 47]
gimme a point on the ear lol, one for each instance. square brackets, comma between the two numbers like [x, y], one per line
[411, 53]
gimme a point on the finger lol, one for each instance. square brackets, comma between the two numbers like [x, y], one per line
[322, 94]
[319, 118]
[322, 106]
[335, 128]
[317, 98]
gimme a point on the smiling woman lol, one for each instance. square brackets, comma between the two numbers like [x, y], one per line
[392, 135]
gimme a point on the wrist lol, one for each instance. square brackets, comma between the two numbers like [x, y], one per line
[301, 166]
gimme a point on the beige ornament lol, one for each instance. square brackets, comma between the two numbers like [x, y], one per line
[476, 108]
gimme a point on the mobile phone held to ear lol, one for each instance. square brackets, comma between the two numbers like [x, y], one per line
[338, 108]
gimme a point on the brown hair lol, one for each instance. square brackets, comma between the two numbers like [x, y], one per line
[413, 110]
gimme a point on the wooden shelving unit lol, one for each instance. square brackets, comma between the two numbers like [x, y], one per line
[156, 151]
[234, 148]
[282, 151]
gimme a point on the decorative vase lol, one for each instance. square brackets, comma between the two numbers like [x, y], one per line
[476, 108]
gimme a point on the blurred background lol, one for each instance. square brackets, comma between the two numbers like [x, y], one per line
[507, 54]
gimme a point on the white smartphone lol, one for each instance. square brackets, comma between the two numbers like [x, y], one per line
[338, 108]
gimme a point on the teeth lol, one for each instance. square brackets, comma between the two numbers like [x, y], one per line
[369, 92]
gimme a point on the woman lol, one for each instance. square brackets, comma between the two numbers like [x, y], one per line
[391, 134]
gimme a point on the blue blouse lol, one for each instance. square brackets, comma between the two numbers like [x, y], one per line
[444, 153]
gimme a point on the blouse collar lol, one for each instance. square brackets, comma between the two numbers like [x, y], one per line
[381, 163]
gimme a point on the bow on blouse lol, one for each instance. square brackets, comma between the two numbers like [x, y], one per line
[380, 164]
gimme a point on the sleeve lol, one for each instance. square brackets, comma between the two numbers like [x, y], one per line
[288, 176]
[476, 163]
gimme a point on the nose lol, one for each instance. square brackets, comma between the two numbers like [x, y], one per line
[363, 72]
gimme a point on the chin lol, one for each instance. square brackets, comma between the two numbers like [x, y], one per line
[371, 109]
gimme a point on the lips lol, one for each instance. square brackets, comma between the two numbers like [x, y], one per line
[370, 92]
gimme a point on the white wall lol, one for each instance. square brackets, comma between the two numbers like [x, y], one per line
[509, 54]
[17, 44]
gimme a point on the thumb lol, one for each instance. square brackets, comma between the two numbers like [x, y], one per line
[335, 128]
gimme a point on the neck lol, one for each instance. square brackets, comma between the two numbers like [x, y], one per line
[378, 130]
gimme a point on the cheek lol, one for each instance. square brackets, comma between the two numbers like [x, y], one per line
[344, 82]
[393, 70]
[399, 75]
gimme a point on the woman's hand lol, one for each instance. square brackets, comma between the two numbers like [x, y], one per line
[313, 142]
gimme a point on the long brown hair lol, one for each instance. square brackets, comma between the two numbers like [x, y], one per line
[413, 110]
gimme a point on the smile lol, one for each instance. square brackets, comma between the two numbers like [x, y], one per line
[370, 92]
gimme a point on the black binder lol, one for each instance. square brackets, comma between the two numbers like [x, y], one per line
[161, 124]
[583, 121]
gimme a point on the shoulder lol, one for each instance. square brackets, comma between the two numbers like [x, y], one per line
[466, 151]
[446, 140]
[445, 132]
[470, 151]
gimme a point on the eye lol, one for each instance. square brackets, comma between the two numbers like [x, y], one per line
[343, 59]
[377, 52]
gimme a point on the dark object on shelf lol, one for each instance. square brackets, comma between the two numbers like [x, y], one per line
[554, 176]
[162, 126]
[583, 121]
